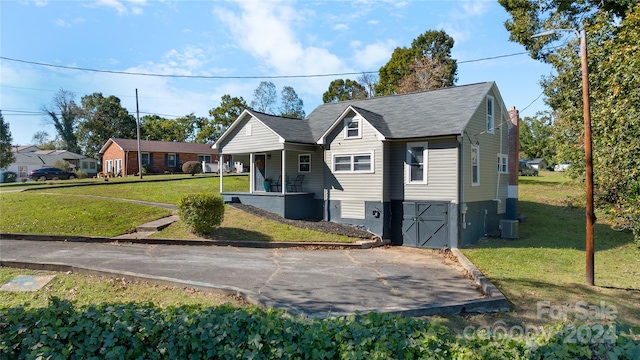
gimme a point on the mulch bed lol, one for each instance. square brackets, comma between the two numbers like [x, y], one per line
[311, 224]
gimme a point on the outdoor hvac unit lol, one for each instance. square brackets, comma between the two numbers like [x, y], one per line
[509, 229]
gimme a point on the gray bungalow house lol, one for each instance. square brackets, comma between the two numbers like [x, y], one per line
[427, 169]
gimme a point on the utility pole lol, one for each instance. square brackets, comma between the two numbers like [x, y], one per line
[138, 132]
[586, 113]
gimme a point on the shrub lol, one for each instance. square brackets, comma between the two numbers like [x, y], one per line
[8, 177]
[61, 164]
[202, 213]
[81, 174]
[192, 167]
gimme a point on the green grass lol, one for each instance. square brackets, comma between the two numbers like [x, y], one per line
[239, 225]
[150, 189]
[547, 262]
[86, 289]
[32, 213]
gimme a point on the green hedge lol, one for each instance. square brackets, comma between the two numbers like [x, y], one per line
[202, 213]
[144, 331]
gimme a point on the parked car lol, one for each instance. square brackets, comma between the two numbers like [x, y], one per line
[49, 173]
[562, 167]
[524, 169]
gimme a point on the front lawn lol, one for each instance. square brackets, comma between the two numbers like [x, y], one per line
[32, 213]
[547, 262]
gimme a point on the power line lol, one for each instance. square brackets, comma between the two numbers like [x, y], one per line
[228, 77]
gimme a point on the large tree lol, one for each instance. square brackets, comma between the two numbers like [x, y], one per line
[154, 127]
[291, 105]
[536, 136]
[612, 38]
[103, 118]
[64, 115]
[222, 116]
[6, 155]
[265, 98]
[428, 57]
[342, 90]
[42, 141]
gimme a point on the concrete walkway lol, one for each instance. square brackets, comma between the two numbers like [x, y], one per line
[316, 283]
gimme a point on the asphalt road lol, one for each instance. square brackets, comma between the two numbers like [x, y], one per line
[313, 282]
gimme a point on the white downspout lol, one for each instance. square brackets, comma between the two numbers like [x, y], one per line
[283, 179]
[497, 198]
[251, 173]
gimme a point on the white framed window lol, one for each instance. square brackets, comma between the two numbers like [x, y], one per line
[108, 164]
[145, 157]
[360, 162]
[117, 164]
[417, 160]
[304, 163]
[475, 165]
[171, 159]
[247, 130]
[92, 165]
[490, 114]
[352, 128]
[205, 158]
[503, 164]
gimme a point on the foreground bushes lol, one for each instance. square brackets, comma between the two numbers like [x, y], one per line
[202, 213]
[128, 331]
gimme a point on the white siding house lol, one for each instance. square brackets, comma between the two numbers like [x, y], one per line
[426, 169]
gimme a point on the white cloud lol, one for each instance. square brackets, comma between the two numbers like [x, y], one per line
[269, 32]
[463, 19]
[62, 23]
[121, 7]
[355, 43]
[374, 55]
[373, 22]
[341, 27]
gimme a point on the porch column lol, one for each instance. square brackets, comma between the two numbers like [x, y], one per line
[220, 169]
[283, 179]
[251, 173]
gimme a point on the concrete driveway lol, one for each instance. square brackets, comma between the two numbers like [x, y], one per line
[312, 282]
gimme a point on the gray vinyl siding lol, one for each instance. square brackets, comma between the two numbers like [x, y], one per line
[260, 140]
[355, 186]
[489, 145]
[313, 181]
[442, 172]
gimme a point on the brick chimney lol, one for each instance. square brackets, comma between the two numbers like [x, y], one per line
[514, 158]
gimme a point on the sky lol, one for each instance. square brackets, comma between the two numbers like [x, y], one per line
[231, 46]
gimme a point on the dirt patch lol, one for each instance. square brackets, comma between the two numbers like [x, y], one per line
[311, 224]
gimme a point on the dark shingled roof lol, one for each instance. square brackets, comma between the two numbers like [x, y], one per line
[163, 146]
[292, 130]
[430, 113]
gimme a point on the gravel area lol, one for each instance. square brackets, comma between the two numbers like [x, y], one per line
[319, 225]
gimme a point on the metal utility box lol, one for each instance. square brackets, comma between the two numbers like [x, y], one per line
[509, 229]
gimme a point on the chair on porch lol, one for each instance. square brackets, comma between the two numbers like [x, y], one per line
[296, 185]
[276, 186]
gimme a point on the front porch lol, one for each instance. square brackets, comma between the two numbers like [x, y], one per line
[296, 206]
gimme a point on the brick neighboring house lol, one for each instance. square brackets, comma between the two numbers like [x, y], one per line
[122, 155]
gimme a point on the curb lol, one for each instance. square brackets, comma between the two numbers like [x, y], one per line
[500, 302]
[367, 244]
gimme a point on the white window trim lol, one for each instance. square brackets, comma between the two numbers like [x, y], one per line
[299, 163]
[491, 119]
[502, 157]
[346, 127]
[477, 148]
[148, 158]
[204, 156]
[108, 164]
[352, 155]
[175, 160]
[425, 159]
[247, 130]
